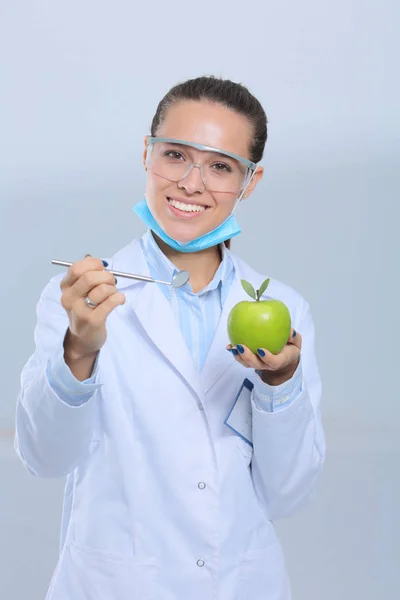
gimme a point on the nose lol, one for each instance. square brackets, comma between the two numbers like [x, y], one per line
[193, 180]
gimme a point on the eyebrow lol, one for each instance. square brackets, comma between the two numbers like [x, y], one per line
[218, 154]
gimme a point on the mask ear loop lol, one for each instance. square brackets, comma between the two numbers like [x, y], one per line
[237, 202]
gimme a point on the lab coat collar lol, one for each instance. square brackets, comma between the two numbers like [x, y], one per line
[163, 269]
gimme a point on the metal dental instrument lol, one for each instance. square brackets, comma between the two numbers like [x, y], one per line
[178, 280]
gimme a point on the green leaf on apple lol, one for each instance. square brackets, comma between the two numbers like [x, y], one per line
[263, 287]
[248, 288]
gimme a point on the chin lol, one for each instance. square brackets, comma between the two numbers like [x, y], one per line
[180, 233]
[182, 237]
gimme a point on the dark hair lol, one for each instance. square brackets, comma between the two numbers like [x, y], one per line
[223, 91]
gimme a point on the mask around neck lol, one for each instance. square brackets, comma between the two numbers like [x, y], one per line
[228, 229]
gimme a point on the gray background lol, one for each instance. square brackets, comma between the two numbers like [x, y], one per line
[79, 83]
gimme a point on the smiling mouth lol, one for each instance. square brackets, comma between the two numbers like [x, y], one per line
[189, 208]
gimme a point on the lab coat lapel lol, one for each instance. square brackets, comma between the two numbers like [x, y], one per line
[219, 360]
[155, 316]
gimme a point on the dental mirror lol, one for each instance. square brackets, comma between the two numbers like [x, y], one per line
[178, 280]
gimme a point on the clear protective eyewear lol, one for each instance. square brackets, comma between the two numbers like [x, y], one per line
[221, 171]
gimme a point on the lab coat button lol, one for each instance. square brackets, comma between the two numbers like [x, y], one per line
[200, 563]
[201, 485]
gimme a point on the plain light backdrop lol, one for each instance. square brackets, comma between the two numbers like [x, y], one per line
[79, 84]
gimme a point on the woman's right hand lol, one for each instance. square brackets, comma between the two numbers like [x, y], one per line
[87, 326]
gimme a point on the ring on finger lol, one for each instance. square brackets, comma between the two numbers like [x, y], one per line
[89, 302]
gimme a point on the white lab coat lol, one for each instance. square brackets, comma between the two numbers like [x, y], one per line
[163, 501]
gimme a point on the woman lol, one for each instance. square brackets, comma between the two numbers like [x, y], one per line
[131, 384]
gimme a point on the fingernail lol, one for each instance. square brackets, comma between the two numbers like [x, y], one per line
[240, 348]
[234, 352]
[261, 352]
[105, 263]
[294, 334]
[116, 280]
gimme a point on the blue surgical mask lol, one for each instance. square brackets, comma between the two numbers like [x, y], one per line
[228, 229]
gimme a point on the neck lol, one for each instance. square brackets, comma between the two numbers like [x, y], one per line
[201, 265]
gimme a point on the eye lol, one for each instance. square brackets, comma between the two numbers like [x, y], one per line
[222, 167]
[174, 154]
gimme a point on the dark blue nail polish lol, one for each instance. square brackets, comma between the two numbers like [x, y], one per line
[105, 263]
[240, 348]
[260, 352]
[115, 280]
[294, 334]
[233, 351]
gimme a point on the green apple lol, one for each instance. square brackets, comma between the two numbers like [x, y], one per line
[259, 323]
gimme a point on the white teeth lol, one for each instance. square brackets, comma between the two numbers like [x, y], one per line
[186, 207]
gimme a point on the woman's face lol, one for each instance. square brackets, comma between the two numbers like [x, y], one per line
[205, 123]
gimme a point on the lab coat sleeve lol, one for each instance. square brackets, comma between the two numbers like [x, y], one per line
[289, 444]
[55, 413]
[69, 389]
[273, 398]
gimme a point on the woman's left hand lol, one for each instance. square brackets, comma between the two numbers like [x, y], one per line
[274, 369]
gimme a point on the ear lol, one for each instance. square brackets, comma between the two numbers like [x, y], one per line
[255, 179]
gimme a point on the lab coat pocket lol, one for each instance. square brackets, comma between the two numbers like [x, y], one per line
[239, 419]
[262, 575]
[89, 574]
